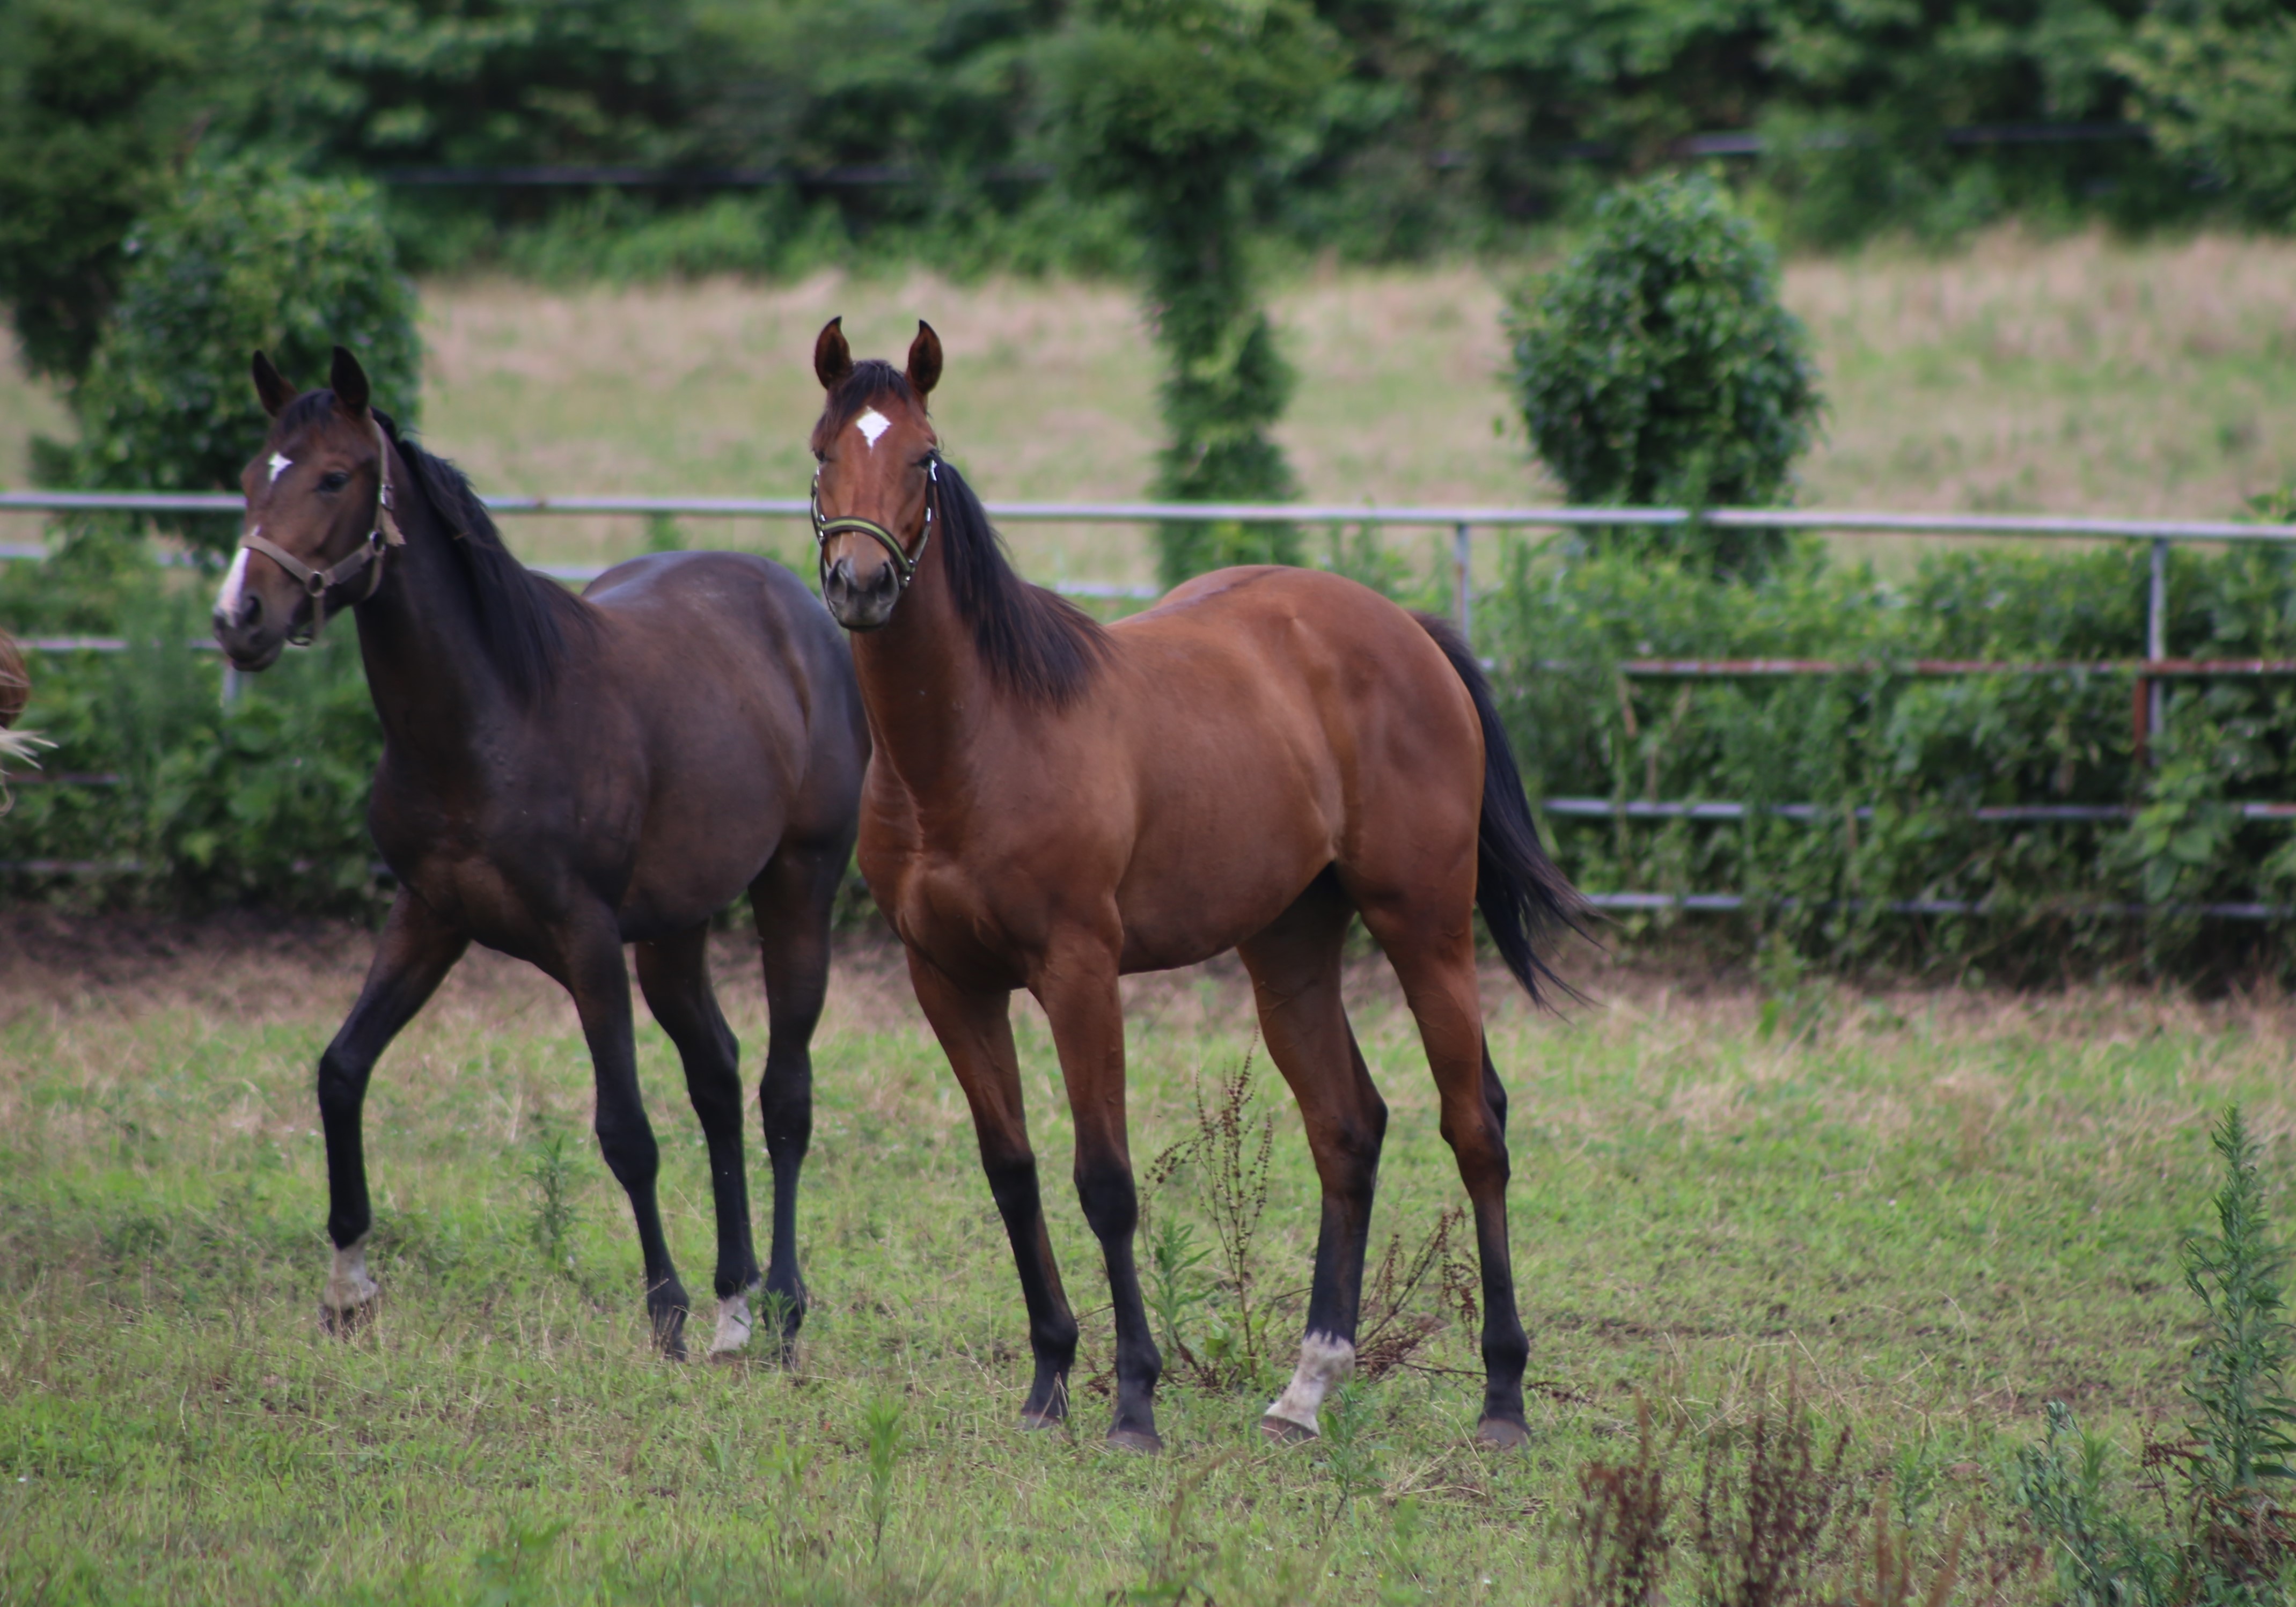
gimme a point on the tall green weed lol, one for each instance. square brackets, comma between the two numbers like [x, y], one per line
[2225, 1537]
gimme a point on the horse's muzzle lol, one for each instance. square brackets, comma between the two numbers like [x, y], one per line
[248, 640]
[860, 604]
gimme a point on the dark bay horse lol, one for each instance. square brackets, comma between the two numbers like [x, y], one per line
[562, 775]
[1052, 803]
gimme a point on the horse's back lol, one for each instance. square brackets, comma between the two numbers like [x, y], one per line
[1311, 639]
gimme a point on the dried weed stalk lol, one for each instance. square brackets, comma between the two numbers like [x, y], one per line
[1389, 1333]
[1766, 1520]
[1620, 1548]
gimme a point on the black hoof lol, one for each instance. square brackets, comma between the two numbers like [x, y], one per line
[1504, 1432]
[782, 1313]
[1283, 1431]
[1038, 1422]
[1143, 1442]
[669, 1331]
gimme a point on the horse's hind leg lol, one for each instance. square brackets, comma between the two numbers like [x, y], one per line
[1295, 975]
[414, 954]
[675, 976]
[1434, 959]
[791, 899]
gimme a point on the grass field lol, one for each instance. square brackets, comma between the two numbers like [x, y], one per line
[1930, 1211]
[2067, 376]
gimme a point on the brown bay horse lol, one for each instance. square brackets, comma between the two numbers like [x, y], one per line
[562, 775]
[1249, 765]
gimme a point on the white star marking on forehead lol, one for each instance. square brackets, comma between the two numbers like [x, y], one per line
[872, 425]
[280, 464]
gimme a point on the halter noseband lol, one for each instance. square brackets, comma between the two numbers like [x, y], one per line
[905, 563]
[318, 583]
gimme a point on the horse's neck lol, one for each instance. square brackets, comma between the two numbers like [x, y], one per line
[420, 637]
[925, 689]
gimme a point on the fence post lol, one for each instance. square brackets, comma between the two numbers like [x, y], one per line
[1462, 577]
[231, 686]
[2156, 643]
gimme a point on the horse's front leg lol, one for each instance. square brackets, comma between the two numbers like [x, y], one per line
[596, 975]
[975, 1030]
[414, 954]
[674, 974]
[1077, 987]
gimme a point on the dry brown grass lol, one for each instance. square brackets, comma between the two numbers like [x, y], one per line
[2070, 375]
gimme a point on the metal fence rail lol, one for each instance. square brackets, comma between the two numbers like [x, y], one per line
[1462, 521]
[2149, 672]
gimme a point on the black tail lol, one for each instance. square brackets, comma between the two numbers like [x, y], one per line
[1524, 898]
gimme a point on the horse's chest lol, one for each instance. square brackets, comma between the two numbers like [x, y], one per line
[936, 908]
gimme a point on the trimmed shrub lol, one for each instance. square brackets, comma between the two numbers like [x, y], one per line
[1657, 368]
[247, 255]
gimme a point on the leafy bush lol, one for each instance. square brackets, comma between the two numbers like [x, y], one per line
[262, 803]
[2226, 1535]
[246, 256]
[1657, 368]
[1173, 106]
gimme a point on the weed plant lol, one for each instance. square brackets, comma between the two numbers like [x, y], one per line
[2224, 1536]
[881, 1438]
[549, 1168]
[1225, 1155]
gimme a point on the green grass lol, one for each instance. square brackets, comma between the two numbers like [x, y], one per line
[1934, 1213]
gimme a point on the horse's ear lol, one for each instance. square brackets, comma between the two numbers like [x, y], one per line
[833, 359]
[271, 387]
[348, 379]
[924, 360]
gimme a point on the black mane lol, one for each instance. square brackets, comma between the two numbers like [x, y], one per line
[527, 622]
[1037, 646]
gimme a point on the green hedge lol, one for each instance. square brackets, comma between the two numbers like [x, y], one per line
[1921, 753]
[264, 804]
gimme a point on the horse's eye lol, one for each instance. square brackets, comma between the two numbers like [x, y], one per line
[335, 481]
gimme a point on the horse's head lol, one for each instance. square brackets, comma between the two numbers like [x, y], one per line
[872, 497]
[316, 515]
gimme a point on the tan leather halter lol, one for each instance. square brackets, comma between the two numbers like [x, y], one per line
[316, 583]
[904, 562]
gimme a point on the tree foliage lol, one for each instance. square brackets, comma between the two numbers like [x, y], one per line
[89, 118]
[2216, 82]
[1432, 124]
[247, 255]
[1657, 367]
[1180, 110]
